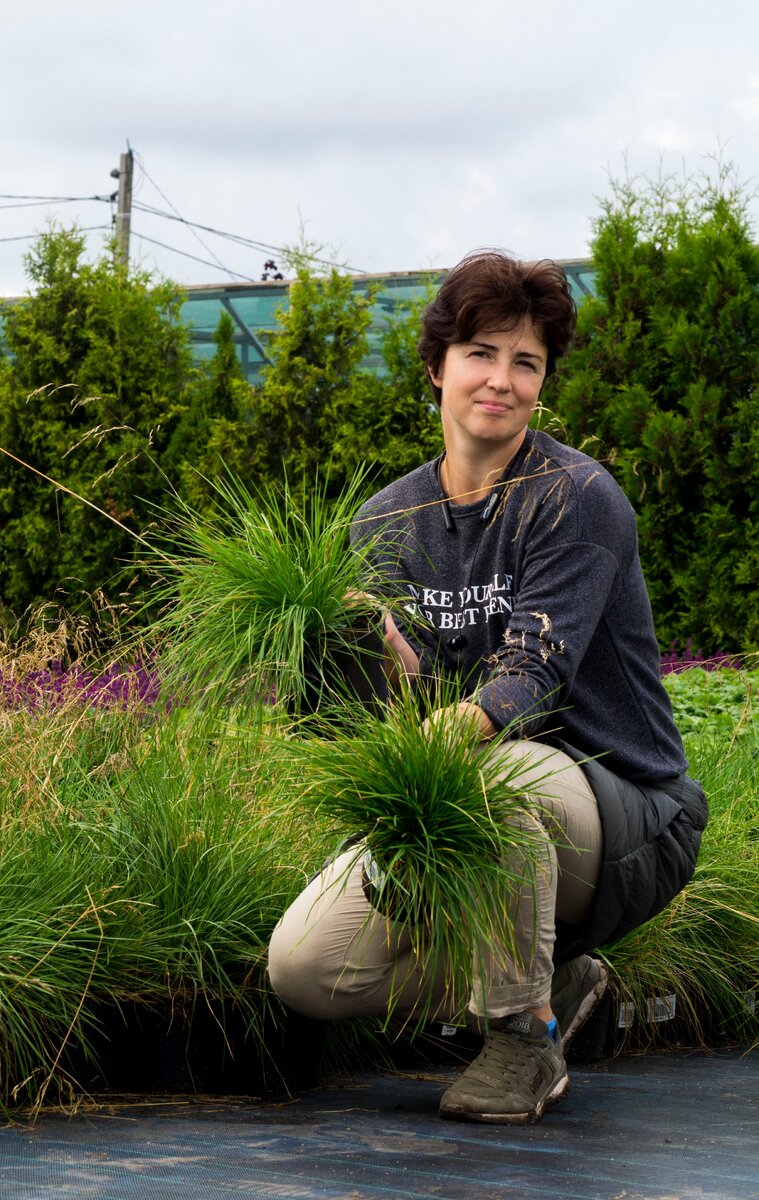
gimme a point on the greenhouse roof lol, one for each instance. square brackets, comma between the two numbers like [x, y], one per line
[253, 307]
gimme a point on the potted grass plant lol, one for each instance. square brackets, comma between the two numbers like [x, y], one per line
[436, 818]
[266, 601]
[691, 974]
[141, 874]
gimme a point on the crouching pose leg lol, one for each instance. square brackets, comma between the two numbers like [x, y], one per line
[334, 954]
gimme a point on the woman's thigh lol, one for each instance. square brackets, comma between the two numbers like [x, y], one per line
[562, 800]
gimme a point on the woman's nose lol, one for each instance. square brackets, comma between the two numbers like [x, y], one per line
[500, 377]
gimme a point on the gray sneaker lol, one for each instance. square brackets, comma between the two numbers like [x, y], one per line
[576, 989]
[519, 1071]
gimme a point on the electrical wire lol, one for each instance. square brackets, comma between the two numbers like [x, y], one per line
[44, 199]
[27, 237]
[243, 241]
[237, 239]
[178, 216]
[48, 201]
[142, 237]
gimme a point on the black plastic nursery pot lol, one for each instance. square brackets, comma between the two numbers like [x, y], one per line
[206, 1048]
[617, 1026]
[350, 669]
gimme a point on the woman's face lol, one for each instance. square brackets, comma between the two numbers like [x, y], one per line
[490, 387]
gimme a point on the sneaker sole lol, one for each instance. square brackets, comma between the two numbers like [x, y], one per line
[587, 1007]
[454, 1113]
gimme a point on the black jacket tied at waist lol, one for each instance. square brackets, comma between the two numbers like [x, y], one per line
[652, 834]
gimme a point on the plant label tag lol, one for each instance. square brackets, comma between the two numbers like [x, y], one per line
[626, 1014]
[448, 1030]
[660, 1008]
[749, 999]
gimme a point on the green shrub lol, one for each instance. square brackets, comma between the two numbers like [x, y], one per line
[703, 949]
[99, 366]
[663, 386]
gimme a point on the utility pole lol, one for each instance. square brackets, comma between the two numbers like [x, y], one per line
[124, 204]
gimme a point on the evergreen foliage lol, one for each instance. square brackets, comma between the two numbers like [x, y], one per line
[216, 427]
[99, 394]
[390, 421]
[318, 405]
[99, 363]
[315, 355]
[662, 386]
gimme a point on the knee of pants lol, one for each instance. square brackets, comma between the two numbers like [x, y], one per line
[293, 975]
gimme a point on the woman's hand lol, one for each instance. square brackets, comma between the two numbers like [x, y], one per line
[401, 660]
[483, 728]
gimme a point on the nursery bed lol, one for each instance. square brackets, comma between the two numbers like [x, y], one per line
[640, 1127]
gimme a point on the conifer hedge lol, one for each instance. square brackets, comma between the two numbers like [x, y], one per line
[662, 385]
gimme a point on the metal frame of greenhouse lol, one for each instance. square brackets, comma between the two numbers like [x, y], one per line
[253, 308]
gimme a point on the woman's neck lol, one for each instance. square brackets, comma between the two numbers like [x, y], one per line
[467, 479]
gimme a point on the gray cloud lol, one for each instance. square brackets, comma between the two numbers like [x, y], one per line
[403, 134]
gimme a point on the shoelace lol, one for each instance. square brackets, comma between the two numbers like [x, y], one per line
[510, 1058]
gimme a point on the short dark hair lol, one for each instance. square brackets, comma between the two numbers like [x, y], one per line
[490, 290]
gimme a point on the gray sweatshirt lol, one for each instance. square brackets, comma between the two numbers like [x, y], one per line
[535, 599]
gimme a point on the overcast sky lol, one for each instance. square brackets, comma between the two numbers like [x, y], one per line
[399, 133]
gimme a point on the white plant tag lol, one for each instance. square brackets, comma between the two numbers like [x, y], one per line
[661, 1008]
[626, 1014]
[448, 1030]
[749, 999]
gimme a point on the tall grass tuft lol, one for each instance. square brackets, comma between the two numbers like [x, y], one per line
[141, 867]
[443, 821]
[704, 948]
[261, 599]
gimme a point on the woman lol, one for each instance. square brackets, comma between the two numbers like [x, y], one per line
[515, 564]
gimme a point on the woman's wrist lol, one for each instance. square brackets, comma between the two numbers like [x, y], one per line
[479, 718]
[467, 712]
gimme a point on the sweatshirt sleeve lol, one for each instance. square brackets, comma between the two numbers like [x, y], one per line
[568, 580]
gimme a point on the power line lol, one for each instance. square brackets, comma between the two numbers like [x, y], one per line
[175, 215]
[27, 237]
[206, 262]
[178, 216]
[244, 241]
[47, 203]
[54, 199]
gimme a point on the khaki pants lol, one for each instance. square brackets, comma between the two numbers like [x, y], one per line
[332, 955]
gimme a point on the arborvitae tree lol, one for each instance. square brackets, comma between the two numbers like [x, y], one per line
[663, 384]
[315, 355]
[391, 420]
[318, 405]
[98, 365]
[214, 434]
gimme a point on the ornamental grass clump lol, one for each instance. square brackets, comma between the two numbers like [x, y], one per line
[51, 950]
[265, 601]
[141, 871]
[698, 960]
[443, 821]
